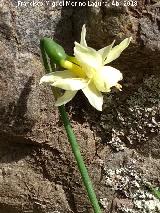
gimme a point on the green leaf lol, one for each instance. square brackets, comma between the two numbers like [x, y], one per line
[156, 192]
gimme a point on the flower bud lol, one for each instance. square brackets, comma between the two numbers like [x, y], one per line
[53, 50]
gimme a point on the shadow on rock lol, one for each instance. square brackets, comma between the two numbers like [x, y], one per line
[15, 117]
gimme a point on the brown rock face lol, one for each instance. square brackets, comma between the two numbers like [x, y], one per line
[120, 145]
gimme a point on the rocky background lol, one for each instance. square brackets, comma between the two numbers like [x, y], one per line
[121, 144]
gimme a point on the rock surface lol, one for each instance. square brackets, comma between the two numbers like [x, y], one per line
[120, 145]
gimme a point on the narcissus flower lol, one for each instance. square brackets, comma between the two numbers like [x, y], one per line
[87, 72]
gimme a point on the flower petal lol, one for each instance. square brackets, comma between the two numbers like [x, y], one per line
[107, 78]
[94, 97]
[65, 80]
[111, 75]
[71, 83]
[52, 77]
[117, 50]
[83, 36]
[89, 59]
[65, 98]
[105, 51]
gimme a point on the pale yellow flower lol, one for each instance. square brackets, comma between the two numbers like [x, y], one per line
[87, 72]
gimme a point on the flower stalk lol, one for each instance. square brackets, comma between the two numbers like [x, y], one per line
[88, 71]
[71, 138]
[81, 165]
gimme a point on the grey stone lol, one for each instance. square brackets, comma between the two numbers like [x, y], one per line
[37, 169]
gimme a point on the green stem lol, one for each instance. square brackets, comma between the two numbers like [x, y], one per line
[82, 168]
[44, 57]
[73, 142]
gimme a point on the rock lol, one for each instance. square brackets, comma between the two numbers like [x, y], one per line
[37, 169]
